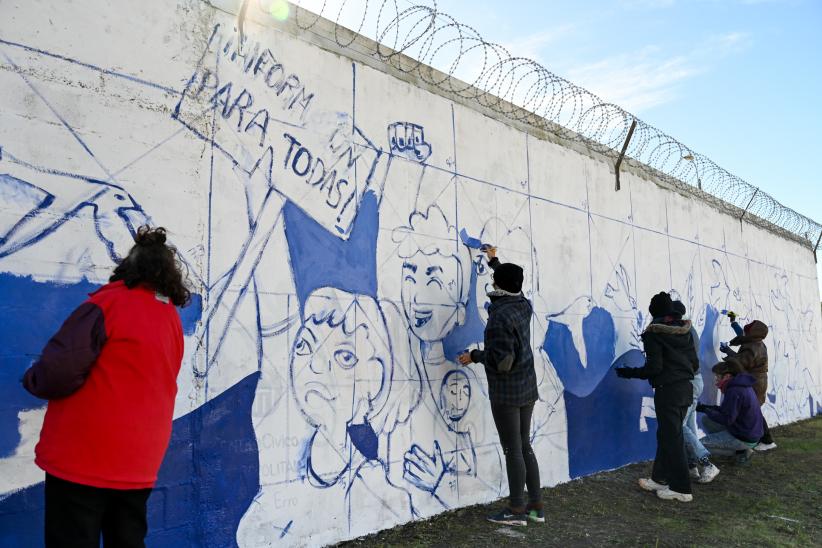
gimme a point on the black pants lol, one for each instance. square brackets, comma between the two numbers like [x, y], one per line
[76, 515]
[514, 429]
[766, 432]
[671, 463]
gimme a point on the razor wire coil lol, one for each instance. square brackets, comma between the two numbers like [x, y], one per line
[415, 38]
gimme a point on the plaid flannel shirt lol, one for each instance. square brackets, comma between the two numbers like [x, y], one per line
[508, 333]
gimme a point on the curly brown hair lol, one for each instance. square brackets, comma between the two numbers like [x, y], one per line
[153, 263]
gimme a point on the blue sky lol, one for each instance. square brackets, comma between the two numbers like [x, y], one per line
[739, 81]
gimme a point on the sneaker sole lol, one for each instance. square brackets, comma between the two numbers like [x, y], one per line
[651, 489]
[707, 480]
[676, 499]
[512, 522]
[536, 520]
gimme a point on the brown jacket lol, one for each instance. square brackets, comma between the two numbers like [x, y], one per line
[753, 355]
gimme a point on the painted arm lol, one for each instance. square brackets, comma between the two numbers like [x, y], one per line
[67, 358]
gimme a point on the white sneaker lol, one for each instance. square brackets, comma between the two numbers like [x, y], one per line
[650, 485]
[667, 494]
[708, 473]
[765, 446]
[694, 472]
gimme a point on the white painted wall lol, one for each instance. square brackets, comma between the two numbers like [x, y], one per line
[100, 108]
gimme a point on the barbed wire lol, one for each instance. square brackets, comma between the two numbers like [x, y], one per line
[414, 38]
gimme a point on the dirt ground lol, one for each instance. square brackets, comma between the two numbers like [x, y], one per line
[776, 500]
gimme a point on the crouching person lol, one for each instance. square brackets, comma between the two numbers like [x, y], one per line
[736, 426]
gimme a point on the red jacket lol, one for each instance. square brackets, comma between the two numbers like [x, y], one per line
[110, 375]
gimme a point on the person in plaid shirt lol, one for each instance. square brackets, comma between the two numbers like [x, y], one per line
[512, 388]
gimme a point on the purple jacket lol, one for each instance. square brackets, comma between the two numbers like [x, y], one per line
[740, 412]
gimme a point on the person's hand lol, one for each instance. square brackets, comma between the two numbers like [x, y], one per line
[465, 358]
[490, 252]
[731, 316]
[624, 372]
[724, 348]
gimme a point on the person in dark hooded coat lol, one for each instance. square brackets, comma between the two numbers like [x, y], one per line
[754, 356]
[670, 363]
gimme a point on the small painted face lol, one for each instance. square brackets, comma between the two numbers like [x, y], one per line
[336, 375]
[431, 295]
[455, 395]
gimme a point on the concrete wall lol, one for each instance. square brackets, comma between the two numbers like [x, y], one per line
[317, 202]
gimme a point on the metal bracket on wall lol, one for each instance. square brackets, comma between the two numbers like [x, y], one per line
[622, 153]
[749, 204]
[815, 249]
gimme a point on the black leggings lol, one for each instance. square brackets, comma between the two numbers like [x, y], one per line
[514, 429]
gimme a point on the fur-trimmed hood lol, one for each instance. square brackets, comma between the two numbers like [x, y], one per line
[669, 329]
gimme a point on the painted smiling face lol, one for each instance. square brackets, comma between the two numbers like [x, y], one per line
[455, 395]
[431, 295]
[338, 363]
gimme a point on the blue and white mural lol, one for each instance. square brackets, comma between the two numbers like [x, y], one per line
[317, 204]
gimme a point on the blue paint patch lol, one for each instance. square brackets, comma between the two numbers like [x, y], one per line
[603, 427]
[599, 333]
[708, 356]
[603, 411]
[191, 314]
[210, 473]
[320, 259]
[209, 477]
[364, 439]
[37, 310]
[471, 331]
[32, 312]
[474, 243]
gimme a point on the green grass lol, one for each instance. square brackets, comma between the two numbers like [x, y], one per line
[775, 501]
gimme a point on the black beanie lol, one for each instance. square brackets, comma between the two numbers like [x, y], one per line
[508, 277]
[661, 305]
[679, 309]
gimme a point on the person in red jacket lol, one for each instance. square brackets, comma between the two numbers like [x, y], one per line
[110, 375]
